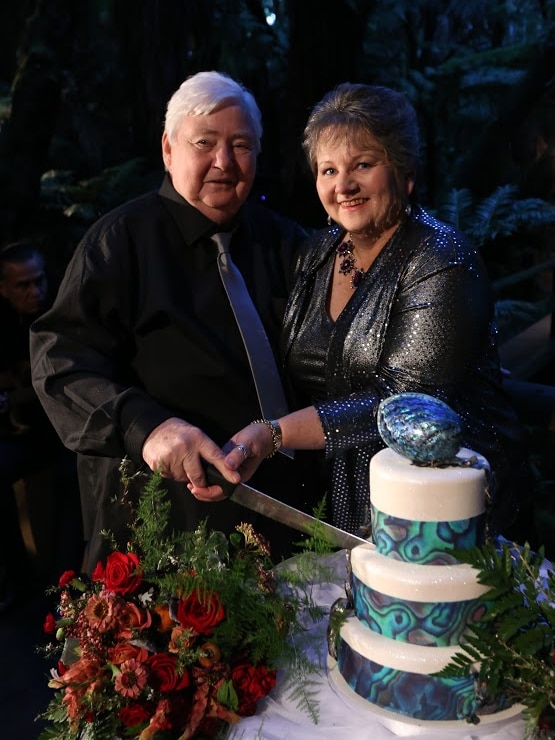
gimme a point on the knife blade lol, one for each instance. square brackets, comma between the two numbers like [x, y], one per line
[272, 508]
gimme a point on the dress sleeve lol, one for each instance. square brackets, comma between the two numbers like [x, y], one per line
[436, 334]
[80, 352]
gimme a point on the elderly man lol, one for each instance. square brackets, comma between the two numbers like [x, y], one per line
[141, 356]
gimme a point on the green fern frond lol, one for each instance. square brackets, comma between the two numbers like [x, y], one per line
[514, 642]
[501, 214]
[301, 687]
[487, 220]
[456, 207]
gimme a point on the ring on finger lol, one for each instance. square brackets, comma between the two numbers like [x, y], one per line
[244, 449]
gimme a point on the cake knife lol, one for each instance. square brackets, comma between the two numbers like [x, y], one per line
[272, 508]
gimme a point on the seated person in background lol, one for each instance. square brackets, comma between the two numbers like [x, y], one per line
[28, 442]
[388, 300]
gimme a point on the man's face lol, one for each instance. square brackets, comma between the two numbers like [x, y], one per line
[24, 286]
[212, 161]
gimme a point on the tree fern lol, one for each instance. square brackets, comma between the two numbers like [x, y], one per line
[501, 214]
[514, 641]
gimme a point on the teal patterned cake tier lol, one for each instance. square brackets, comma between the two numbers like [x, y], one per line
[418, 695]
[435, 623]
[424, 542]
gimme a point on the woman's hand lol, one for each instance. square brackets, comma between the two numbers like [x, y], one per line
[301, 430]
[248, 448]
[177, 449]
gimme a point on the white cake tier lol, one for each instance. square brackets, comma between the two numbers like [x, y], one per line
[413, 582]
[400, 656]
[423, 493]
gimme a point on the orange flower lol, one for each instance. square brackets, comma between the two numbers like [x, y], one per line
[80, 673]
[210, 654]
[180, 638]
[132, 679]
[166, 622]
[123, 651]
[102, 611]
[132, 618]
[158, 722]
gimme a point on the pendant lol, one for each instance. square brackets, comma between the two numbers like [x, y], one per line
[347, 263]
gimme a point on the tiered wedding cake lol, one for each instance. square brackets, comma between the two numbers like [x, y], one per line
[411, 601]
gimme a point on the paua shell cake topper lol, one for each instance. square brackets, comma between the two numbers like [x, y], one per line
[420, 427]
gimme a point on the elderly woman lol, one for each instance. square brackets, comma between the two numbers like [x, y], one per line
[388, 299]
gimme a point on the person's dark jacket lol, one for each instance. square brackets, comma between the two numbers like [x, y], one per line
[142, 331]
[421, 320]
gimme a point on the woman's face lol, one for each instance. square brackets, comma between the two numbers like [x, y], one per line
[359, 189]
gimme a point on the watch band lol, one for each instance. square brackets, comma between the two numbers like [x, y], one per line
[275, 430]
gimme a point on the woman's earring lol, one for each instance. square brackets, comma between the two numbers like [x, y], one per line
[329, 220]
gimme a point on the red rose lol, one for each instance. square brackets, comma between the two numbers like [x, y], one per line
[251, 684]
[122, 573]
[200, 616]
[66, 577]
[49, 625]
[134, 714]
[163, 673]
[98, 572]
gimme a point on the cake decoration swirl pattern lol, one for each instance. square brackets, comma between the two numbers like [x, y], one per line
[424, 542]
[408, 600]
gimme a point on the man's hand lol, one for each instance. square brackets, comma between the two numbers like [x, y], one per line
[177, 449]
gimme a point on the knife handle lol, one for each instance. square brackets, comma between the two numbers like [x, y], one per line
[215, 478]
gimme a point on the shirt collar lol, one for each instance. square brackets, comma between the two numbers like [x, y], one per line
[193, 224]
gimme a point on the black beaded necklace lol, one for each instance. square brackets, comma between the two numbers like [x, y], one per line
[347, 262]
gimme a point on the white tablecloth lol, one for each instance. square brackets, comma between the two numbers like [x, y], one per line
[345, 716]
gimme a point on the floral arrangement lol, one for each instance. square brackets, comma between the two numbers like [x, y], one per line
[174, 638]
[514, 643]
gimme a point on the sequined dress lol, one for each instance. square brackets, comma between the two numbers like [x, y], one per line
[420, 320]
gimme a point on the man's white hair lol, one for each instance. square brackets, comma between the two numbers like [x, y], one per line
[206, 92]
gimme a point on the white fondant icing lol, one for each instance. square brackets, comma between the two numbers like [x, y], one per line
[413, 582]
[401, 490]
[423, 493]
[402, 656]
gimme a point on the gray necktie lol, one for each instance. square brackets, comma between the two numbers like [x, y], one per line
[261, 358]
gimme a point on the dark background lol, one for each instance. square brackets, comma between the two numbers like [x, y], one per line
[84, 85]
[83, 90]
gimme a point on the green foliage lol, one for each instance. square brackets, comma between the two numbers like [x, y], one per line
[501, 214]
[317, 542]
[231, 568]
[514, 642]
[259, 617]
[84, 200]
